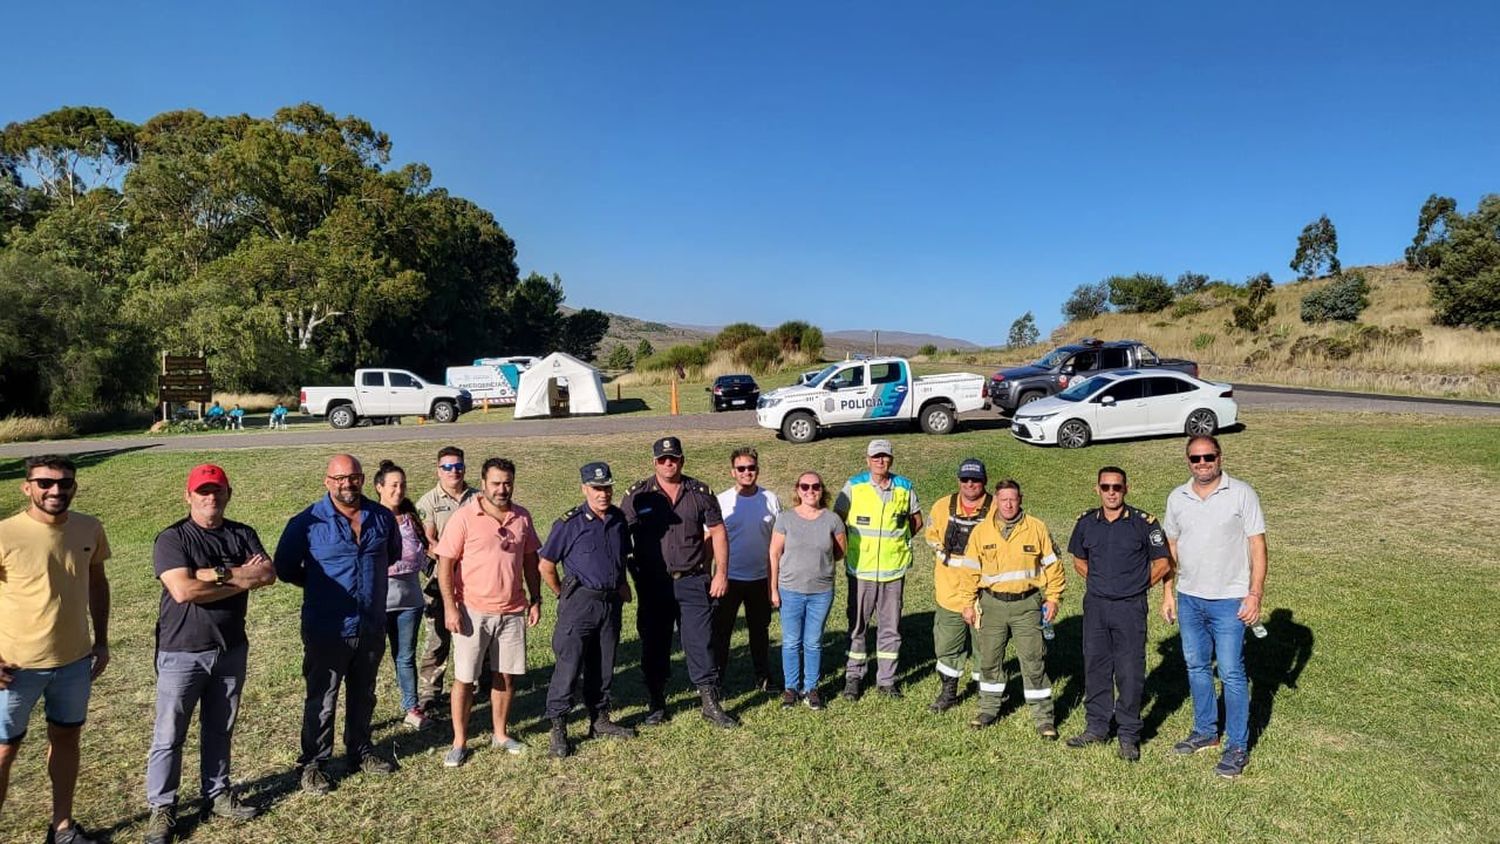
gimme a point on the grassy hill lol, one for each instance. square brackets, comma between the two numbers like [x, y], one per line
[1394, 348]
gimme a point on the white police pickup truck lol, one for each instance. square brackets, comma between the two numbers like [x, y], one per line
[385, 394]
[863, 392]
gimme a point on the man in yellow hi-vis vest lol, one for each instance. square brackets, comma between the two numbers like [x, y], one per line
[882, 514]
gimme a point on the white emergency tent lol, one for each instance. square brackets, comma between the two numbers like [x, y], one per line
[560, 385]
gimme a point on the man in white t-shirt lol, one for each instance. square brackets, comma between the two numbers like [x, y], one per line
[749, 513]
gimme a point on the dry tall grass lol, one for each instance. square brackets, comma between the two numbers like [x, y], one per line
[722, 363]
[255, 402]
[1454, 362]
[16, 429]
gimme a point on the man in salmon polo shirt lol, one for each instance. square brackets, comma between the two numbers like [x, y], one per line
[488, 548]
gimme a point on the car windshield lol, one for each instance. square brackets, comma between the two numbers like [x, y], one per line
[812, 381]
[1085, 388]
[1051, 359]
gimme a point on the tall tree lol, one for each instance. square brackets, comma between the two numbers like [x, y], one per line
[1432, 227]
[1317, 249]
[1023, 331]
[1141, 293]
[1465, 280]
[582, 332]
[1086, 302]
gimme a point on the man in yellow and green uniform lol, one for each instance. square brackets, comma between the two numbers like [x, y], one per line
[882, 514]
[957, 523]
[1019, 585]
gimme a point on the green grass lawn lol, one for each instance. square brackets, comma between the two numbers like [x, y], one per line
[1375, 692]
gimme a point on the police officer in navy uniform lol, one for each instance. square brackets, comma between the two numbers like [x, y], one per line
[1121, 553]
[681, 568]
[591, 542]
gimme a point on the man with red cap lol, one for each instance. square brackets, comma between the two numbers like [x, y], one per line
[207, 565]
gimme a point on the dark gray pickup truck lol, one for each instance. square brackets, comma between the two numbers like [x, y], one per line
[1011, 388]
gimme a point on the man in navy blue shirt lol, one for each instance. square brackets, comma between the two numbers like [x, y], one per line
[590, 542]
[1121, 553]
[338, 550]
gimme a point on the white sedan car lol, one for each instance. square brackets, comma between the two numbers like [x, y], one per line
[1126, 403]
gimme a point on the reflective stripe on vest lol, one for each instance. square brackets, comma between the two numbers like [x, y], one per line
[879, 549]
[1009, 576]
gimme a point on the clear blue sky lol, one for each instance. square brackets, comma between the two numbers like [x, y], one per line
[934, 167]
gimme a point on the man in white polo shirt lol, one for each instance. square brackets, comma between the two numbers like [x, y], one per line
[1217, 534]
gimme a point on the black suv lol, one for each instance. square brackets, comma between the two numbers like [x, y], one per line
[734, 391]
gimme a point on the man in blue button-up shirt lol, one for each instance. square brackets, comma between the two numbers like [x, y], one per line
[338, 550]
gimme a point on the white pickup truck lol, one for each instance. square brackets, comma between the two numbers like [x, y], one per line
[862, 392]
[384, 393]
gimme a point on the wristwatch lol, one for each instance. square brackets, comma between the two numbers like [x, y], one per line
[221, 575]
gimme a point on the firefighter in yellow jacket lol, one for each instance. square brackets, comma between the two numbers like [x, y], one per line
[1019, 585]
[956, 527]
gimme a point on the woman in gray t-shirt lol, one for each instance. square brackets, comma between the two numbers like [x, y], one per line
[805, 543]
[403, 605]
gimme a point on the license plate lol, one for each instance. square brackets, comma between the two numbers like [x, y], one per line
[738, 401]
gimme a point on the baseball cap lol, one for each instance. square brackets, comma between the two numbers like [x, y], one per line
[972, 470]
[596, 474]
[880, 447]
[206, 473]
[667, 447]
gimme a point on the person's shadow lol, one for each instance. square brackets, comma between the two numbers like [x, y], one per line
[1166, 687]
[1274, 662]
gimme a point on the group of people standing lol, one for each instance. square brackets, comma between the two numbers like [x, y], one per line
[693, 559]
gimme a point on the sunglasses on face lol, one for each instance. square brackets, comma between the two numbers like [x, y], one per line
[1202, 458]
[809, 487]
[1111, 487]
[749, 468]
[351, 478]
[669, 458]
[970, 481]
[451, 467]
[64, 484]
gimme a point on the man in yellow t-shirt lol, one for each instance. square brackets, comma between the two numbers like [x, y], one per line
[51, 584]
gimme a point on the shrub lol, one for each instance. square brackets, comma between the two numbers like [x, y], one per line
[1251, 315]
[1341, 301]
[686, 355]
[928, 350]
[1257, 357]
[757, 353]
[1187, 307]
[619, 358]
[733, 335]
[1087, 302]
[1141, 293]
[1203, 341]
[1189, 283]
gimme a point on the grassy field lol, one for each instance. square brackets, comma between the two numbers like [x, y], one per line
[1374, 695]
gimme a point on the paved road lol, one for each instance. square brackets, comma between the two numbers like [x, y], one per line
[1252, 398]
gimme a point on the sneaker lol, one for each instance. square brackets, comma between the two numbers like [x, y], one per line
[455, 757]
[226, 805]
[1233, 762]
[375, 762]
[788, 698]
[814, 700]
[509, 744]
[416, 718]
[1194, 743]
[852, 690]
[1129, 750]
[161, 827]
[1084, 739]
[71, 834]
[314, 780]
[1047, 732]
[889, 691]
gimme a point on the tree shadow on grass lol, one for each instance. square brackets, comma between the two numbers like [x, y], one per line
[15, 468]
[617, 406]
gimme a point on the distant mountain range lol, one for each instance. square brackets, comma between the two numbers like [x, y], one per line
[631, 330]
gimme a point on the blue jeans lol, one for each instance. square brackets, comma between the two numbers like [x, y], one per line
[1210, 630]
[183, 681]
[401, 629]
[802, 618]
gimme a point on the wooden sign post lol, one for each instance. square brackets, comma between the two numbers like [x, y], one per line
[183, 379]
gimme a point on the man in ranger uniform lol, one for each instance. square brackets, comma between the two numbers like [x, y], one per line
[952, 533]
[1019, 584]
[882, 514]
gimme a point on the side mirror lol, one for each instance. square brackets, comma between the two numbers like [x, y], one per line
[1068, 370]
[1107, 401]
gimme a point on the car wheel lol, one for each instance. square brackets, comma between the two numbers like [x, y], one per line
[799, 428]
[444, 411]
[1074, 433]
[1027, 398]
[938, 419]
[342, 417]
[1201, 422]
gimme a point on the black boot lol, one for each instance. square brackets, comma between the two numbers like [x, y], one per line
[656, 712]
[947, 696]
[557, 740]
[601, 725]
[713, 712]
[851, 688]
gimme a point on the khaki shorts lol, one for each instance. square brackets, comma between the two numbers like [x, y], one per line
[498, 638]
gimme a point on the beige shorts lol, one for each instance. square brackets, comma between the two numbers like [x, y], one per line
[498, 638]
